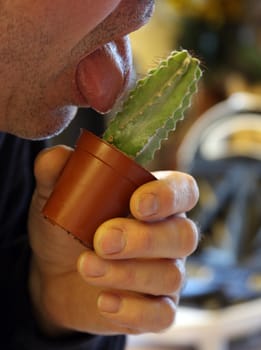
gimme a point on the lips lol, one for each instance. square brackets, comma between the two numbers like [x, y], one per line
[103, 75]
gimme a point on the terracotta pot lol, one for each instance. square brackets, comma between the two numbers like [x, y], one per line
[95, 185]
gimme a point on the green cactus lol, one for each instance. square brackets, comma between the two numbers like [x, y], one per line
[153, 108]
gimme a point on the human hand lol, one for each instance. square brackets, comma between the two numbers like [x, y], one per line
[130, 283]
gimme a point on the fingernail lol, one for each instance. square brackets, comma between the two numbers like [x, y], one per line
[148, 205]
[112, 242]
[92, 266]
[109, 303]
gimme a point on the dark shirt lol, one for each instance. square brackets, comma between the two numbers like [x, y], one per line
[19, 329]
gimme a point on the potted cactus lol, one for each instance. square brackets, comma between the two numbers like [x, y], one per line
[101, 175]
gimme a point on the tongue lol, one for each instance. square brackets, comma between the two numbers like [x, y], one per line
[102, 76]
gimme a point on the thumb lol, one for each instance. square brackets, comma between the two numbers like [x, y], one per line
[48, 167]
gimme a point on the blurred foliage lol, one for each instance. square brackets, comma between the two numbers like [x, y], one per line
[216, 11]
[225, 34]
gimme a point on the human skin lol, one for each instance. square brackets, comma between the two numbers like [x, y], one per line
[47, 72]
[131, 282]
[42, 44]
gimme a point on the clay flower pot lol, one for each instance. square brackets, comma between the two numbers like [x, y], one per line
[96, 185]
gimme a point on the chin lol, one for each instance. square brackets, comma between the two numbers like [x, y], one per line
[48, 125]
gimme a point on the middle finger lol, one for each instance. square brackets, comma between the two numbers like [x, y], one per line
[125, 238]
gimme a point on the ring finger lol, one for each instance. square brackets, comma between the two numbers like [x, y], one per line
[147, 276]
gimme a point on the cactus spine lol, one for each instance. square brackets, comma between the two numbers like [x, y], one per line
[153, 108]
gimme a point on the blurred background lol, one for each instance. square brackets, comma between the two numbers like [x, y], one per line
[219, 143]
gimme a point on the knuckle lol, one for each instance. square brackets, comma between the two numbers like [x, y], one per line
[138, 320]
[189, 239]
[167, 316]
[129, 278]
[195, 189]
[192, 236]
[194, 193]
[173, 278]
[156, 316]
[146, 239]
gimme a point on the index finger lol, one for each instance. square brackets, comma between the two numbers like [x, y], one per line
[173, 193]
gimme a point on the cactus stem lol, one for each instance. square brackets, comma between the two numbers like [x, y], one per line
[154, 106]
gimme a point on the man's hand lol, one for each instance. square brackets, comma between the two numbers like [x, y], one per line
[131, 282]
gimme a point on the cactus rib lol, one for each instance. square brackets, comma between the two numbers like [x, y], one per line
[153, 108]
